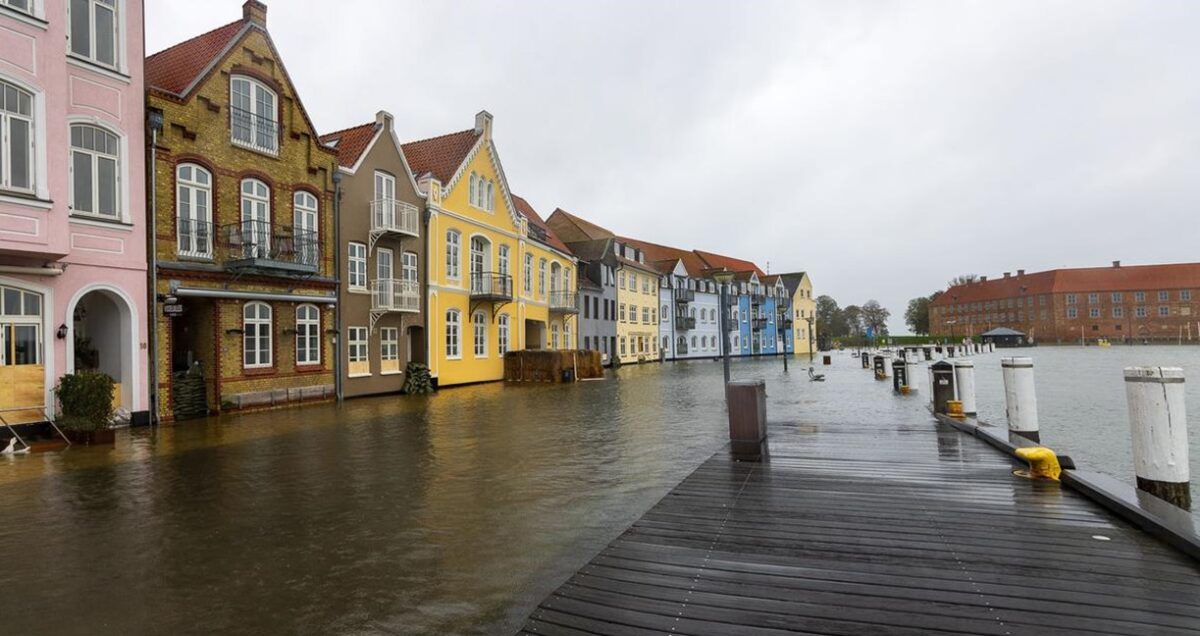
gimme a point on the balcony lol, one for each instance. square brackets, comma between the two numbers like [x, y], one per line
[260, 245]
[564, 302]
[390, 216]
[491, 287]
[194, 239]
[785, 323]
[685, 323]
[758, 323]
[758, 299]
[681, 349]
[685, 295]
[392, 294]
[253, 131]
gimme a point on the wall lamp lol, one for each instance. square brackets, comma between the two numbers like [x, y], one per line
[62, 331]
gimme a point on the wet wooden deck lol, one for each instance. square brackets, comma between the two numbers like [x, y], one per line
[875, 529]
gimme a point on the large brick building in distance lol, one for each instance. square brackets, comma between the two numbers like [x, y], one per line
[1141, 302]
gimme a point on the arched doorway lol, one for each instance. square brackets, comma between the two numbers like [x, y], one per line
[104, 339]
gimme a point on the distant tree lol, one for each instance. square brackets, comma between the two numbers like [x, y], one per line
[852, 321]
[917, 315]
[875, 317]
[829, 317]
[962, 279]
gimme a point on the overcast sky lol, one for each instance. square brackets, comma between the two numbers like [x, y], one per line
[882, 147]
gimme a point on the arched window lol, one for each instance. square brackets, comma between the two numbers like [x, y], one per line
[308, 335]
[256, 219]
[491, 196]
[471, 196]
[693, 342]
[502, 334]
[479, 324]
[453, 340]
[453, 245]
[256, 335]
[680, 344]
[503, 256]
[665, 313]
[193, 204]
[480, 260]
[253, 116]
[16, 138]
[542, 278]
[305, 232]
[92, 30]
[95, 170]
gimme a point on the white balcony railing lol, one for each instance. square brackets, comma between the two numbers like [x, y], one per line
[391, 215]
[392, 294]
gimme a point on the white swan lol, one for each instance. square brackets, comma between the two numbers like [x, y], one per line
[11, 448]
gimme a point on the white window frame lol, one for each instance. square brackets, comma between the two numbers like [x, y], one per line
[502, 334]
[7, 117]
[258, 114]
[389, 344]
[408, 267]
[91, 54]
[528, 273]
[95, 158]
[453, 340]
[554, 336]
[356, 276]
[502, 259]
[188, 191]
[454, 255]
[358, 342]
[253, 330]
[306, 217]
[479, 334]
[541, 278]
[255, 227]
[308, 335]
[1164, 311]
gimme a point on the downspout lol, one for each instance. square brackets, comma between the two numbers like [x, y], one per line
[156, 124]
[337, 269]
[426, 216]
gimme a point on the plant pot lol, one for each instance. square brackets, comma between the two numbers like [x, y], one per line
[91, 438]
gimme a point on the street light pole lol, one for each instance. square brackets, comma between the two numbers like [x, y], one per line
[782, 315]
[723, 279]
[811, 344]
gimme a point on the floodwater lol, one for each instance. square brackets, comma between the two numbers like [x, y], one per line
[452, 514]
[1082, 410]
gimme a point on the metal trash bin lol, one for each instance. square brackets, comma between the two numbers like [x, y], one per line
[899, 374]
[943, 385]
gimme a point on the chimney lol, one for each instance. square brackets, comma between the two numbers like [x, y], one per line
[1020, 272]
[385, 119]
[1116, 263]
[483, 124]
[1007, 274]
[256, 12]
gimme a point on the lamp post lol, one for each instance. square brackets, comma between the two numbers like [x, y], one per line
[811, 344]
[783, 315]
[723, 279]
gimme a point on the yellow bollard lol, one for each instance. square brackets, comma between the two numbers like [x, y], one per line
[954, 408]
[1043, 463]
[904, 390]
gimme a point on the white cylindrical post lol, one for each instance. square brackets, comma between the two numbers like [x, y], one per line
[1158, 426]
[1020, 400]
[964, 383]
[912, 372]
[929, 377]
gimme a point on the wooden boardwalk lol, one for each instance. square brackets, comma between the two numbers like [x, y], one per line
[875, 529]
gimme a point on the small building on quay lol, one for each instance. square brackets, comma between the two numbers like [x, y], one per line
[1118, 303]
[1003, 337]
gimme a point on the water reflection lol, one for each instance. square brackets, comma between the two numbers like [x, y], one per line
[454, 513]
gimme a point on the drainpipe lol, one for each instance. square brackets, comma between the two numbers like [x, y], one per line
[155, 120]
[337, 269]
[426, 216]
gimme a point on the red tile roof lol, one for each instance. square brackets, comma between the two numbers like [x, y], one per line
[175, 68]
[535, 219]
[1126, 278]
[440, 156]
[717, 261]
[351, 142]
[589, 230]
[694, 265]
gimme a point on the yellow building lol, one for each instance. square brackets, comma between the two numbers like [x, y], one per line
[804, 312]
[497, 281]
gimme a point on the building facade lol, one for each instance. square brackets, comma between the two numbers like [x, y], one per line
[598, 295]
[242, 205]
[803, 311]
[1121, 303]
[688, 303]
[73, 284]
[382, 259]
[491, 284]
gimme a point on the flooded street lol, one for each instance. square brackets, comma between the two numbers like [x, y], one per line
[450, 514]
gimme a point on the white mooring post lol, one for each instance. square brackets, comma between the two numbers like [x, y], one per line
[1020, 400]
[912, 372]
[1158, 427]
[964, 383]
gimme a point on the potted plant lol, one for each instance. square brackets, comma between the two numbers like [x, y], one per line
[85, 402]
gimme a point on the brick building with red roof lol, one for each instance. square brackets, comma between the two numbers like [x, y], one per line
[1118, 303]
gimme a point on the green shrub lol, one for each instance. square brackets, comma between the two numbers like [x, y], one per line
[86, 400]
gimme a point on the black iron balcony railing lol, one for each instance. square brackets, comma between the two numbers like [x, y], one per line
[489, 286]
[685, 323]
[194, 238]
[758, 298]
[564, 302]
[254, 131]
[758, 323]
[786, 323]
[685, 295]
[681, 349]
[261, 245]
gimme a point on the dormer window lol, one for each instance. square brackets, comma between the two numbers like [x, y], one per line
[92, 29]
[253, 116]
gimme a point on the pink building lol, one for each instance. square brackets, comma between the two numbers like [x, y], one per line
[73, 286]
